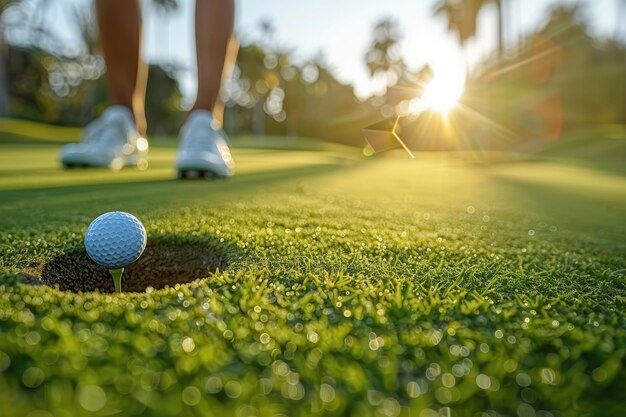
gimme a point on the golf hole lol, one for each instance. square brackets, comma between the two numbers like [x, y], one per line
[161, 264]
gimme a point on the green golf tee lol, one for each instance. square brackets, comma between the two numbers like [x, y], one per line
[117, 278]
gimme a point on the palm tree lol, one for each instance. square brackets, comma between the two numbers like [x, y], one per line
[383, 57]
[462, 16]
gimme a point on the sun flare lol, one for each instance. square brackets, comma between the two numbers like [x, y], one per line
[442, 94]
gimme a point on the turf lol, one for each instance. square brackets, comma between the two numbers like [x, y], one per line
[454, 284]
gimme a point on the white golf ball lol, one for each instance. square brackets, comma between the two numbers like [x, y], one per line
[115, 239]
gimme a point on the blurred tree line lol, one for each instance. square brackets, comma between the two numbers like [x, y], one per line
[267, 94]
[270, 94]
[558, 77]
[44, 80]
[555, 78]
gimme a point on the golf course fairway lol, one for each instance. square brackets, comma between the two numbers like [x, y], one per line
[474, 284]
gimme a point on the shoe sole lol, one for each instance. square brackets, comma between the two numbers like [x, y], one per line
[76, 166]
[140, 163]
[199, 174]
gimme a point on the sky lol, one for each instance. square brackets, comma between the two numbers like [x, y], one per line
[340, 31]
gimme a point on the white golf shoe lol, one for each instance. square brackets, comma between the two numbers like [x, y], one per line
[110, 141]
[203, 151]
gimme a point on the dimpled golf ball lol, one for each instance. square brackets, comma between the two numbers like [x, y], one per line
[115, 239]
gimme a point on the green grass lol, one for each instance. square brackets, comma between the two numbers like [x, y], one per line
[455, 284]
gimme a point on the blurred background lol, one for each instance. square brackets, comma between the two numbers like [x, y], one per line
[482, 72]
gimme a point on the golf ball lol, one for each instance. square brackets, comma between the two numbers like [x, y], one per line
[115, 239]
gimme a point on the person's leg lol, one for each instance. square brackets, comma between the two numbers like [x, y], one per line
[203, 150]
[120, 33]
[229, 64]
[117, 137]
[215, 51]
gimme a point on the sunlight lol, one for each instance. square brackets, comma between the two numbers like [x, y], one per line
[444, 91]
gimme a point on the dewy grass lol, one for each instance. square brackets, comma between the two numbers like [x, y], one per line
[379, 287]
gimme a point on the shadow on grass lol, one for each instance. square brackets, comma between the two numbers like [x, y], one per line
[576, 209]
[605, 154]
[165, 262]
[26, 139]
[53, 202]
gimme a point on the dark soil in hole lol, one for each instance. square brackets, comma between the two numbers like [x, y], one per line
[161, 265]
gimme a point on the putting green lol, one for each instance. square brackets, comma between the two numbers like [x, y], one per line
[344, 285]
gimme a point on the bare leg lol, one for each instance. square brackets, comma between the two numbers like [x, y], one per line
[229, 64]
[120, 34]
[215, 51]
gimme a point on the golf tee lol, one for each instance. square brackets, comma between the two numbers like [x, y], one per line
[117, 278]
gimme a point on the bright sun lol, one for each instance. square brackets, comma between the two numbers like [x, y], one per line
[441, 95]
[443, 92]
